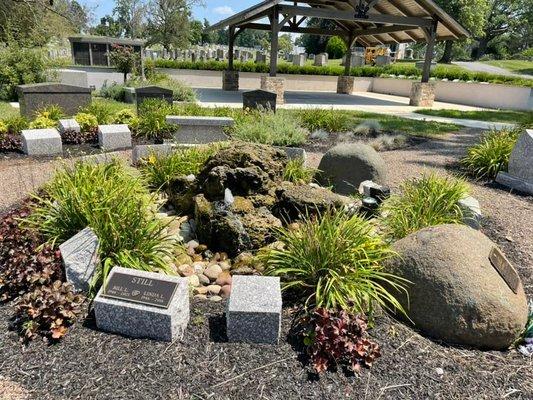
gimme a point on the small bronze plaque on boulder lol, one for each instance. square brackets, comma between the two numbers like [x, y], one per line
[136, 289]
[504, 268]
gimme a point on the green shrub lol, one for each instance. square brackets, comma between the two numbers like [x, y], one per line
[42, 122]
[53, 112]
[15, 125]
[113, 200]
[296, 171]
[3, 128]
[20, 66]
[152, 121]
[114, 91]
[267, 127]
[102, 112]
[335, 262]
[426, 201]
[393, 70]
[491, 154]
[86, 121]
[125, 116]
[336, 47]
[328, 120]
[160, 171]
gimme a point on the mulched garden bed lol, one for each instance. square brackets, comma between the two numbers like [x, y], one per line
[89, 364]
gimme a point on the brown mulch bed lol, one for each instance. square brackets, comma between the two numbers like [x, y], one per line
[89, 364]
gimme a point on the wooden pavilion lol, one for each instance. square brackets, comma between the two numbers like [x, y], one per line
[367, 22]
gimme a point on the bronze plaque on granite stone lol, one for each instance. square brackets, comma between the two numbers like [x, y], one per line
[138, 289]
[504, 268]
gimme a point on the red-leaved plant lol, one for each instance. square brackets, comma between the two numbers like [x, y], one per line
[48, 311]
[338, 337]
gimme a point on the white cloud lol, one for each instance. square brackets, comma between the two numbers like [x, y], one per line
[223, 10]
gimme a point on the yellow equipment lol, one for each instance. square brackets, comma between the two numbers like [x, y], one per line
[372, 52]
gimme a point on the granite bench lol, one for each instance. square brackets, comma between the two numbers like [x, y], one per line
[200, 130]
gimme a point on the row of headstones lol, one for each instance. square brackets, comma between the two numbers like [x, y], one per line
[151, 305]
[47, 142]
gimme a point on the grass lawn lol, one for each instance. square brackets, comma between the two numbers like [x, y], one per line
[516, 66]
[514, 117]
[407, 126]
[6, 111]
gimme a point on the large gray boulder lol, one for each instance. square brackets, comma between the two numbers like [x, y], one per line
[457, 295]
[346, 165]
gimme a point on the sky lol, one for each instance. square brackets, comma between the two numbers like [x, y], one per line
[213, 10]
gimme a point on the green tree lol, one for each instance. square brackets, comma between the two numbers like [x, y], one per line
[315, 44]
[470, 14]
[124, 59]
[108, 26]
[130, 16]
[336, 47]
[195, 35]
[208, 37]
[169, 23]
[285, 43]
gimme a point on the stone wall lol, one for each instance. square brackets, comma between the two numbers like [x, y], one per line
[345, 84]
[422, 94]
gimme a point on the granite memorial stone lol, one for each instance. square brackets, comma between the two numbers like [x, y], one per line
[114, 136]
[143, 304]
[41, 142]
[520, 170]
[254, 310]
[35, 96]
[80, 256]
[256, 99]
[200, 130]
[152, 92]
[66, 125]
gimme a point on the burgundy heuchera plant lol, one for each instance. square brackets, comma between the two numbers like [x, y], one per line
[338, 337]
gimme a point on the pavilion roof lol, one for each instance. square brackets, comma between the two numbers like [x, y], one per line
[374, 22]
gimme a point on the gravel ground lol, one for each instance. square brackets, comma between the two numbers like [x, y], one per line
[90, 364]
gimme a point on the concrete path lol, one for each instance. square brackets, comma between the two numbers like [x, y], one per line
[491, 69]
[368, 102]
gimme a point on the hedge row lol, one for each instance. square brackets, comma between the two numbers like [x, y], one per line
[440, 72]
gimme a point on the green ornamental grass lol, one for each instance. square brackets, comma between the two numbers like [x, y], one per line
[422, 202]
[113, 200]
[297, 171]
[491, 155]
[335, 261]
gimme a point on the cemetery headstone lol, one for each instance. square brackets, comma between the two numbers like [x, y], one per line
[71, 124]
[299, 59]
[256, 99]
[254, 310]
[143, 304]
[320, 60]
[200, 130]
[35, 96]
[114, 136]
[520, 170]
[152, 92]
[80, 256]
[41, 142]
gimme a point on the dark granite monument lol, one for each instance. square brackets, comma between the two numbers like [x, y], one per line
[152, 92]
[259, 99]
[35, 96]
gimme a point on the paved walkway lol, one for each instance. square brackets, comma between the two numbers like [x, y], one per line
[368, 102]
[490, 69]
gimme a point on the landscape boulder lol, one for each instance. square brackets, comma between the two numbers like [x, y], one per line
[459, 292]
[346, 165]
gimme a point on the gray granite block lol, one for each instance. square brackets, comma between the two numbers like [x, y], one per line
[144, 321]
[471, 212]
[254, 310]
[144, 151]
[69, 125]
[80, 256]
[515, 183]
[114, 136]
[41, 142]
[200, 130]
